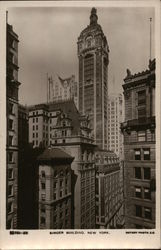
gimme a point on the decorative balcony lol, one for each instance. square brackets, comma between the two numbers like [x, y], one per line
[135, 124]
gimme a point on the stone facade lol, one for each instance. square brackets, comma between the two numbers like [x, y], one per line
[62, 89]
[93, 53]
[109, 191]
[115, 118]
[38, 125]
[12, 86]
[23, 170]
[70, 131]
[139, 148]
[55, 211]
[72, 134]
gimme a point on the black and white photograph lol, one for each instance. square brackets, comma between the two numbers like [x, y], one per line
[81, 125]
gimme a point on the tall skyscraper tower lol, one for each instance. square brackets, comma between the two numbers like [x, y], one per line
[93, 54]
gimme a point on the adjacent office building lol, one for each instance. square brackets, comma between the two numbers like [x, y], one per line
[109, 191]
[38, 125]
[115, 118]
[55, 189]
[23, 169]
[70, 131]
[139, 148]
[72, 134]
[12, 86]
[62, 89]
[93, 55]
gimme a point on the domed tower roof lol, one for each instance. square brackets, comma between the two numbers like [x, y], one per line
[94, 30]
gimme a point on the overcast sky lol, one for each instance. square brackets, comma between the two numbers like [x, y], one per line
[48, 44]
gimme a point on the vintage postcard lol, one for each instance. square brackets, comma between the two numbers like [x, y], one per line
[80, 131]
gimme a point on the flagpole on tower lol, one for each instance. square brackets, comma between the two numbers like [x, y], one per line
[150, 38]
[47, 87]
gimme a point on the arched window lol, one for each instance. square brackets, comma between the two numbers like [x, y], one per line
[88, 41]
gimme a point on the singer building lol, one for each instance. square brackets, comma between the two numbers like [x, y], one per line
[93, 54]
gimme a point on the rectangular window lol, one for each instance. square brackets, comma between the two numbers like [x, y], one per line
[11, 57]
[33, 135]
[60, 193]
[141, 136]
[147, 213]
[43, 210]
[142, 97]
[10, 124]
[138, 192]
[142, 112]
[10, 173]
[10, 140]
[43, 197]
[147, 173]
[10, 207]
[11, 108]
[138, 172]
[61, 183]
[54, 196]
[33, 119]
[10, 157]
[43, 174]
[10, 190]
[43, 220]
[55, 183]
[138, 210]
[43, 186]
[137, 154]
[146, 154]
[147, 194]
